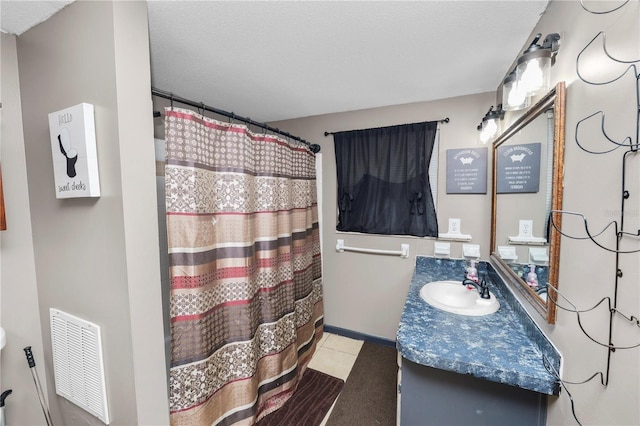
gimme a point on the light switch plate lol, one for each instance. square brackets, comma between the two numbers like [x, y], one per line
[471, 251]
[442, 249]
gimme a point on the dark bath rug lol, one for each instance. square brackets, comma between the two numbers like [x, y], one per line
[309, 404]
[369, 395]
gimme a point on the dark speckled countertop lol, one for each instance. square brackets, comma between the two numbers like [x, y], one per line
[505, 347]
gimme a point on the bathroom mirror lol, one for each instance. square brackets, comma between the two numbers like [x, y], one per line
[528, 164]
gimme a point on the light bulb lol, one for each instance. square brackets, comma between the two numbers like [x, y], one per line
[532, 78]
[491, 128]
[484, 136]
[517, 96]
[514, 97]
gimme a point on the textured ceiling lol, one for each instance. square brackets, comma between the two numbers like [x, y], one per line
[17, 17]
[275, 60]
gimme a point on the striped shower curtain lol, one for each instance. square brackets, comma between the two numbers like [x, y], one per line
[244, 256]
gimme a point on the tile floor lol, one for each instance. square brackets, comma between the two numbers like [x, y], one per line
[335, 355]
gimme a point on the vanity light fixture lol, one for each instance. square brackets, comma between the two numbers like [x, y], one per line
[489, 126]
[531, 75]
[534, 65]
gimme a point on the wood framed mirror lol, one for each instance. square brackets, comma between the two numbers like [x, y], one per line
[528, 167]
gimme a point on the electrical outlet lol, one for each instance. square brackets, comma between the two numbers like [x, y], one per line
[454, 226]
[526, 227]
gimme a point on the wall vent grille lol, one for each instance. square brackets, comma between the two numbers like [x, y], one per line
[78, 363]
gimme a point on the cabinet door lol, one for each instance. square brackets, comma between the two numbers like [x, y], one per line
[436, 397]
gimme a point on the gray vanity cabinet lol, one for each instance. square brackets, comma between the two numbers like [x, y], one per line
[430, 396]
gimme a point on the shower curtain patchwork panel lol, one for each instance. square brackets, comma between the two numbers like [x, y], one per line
[246, 285]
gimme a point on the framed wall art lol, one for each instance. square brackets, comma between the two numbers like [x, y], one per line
[73, 149]
[518, 168]
[467, 171]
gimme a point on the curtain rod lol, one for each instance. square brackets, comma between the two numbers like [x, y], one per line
[444, 120]
[315, 148]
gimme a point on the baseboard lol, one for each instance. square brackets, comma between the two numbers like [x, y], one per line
[359, 336]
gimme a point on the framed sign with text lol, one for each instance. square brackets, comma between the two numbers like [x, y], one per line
[518, 168]
[73, 149]
[467, 171]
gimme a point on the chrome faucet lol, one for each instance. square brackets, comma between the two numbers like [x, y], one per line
[482, 287]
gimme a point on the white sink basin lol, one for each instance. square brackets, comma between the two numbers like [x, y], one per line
[452, 296]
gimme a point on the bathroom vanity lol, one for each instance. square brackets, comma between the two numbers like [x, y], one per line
[460, 370]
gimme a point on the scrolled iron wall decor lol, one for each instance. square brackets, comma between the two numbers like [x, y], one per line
[616, 229]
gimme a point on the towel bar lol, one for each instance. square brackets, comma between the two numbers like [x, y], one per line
[403, 252]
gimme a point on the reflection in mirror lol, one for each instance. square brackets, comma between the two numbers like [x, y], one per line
[527, 185]
[523, 200]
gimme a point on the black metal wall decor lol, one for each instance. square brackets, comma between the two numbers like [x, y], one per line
[615, 229]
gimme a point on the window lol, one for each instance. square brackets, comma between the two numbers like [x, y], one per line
[384, 181]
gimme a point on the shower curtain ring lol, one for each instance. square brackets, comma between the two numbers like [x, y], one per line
[171, 100]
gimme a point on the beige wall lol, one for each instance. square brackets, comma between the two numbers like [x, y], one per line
[593, 187]
[19, 314]
[97, 258]
[365, 292]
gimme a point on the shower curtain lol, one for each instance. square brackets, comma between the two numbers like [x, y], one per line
[244, 256]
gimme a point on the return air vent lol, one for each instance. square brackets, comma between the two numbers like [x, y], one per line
[78, 364]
